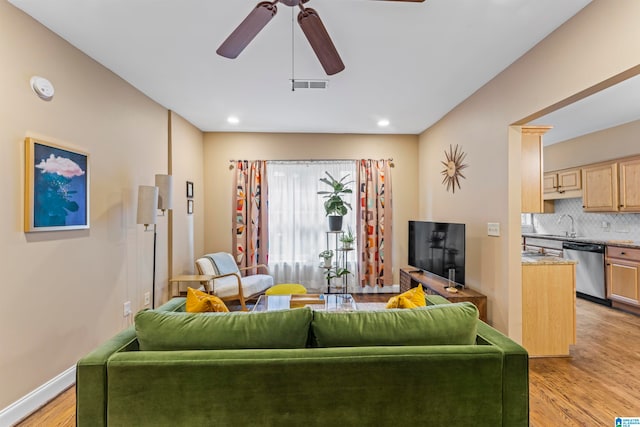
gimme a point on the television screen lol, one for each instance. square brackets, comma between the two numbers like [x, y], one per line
[438, 247]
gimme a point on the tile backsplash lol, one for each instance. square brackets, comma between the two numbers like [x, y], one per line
[598, 226]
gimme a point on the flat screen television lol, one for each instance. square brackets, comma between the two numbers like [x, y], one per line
[439, 248]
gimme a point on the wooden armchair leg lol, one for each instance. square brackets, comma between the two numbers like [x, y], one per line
[242, 303]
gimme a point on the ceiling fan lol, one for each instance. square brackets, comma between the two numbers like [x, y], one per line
[309, 21]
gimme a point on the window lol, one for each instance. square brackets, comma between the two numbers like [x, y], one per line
[297, 220]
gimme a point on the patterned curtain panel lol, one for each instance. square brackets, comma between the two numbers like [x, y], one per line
[374, 222]
[250, 219]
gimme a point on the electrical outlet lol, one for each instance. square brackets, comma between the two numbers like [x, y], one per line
[127, 309]
[493, 229]
[147, 298]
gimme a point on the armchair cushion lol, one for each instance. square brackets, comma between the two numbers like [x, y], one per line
[224, 262]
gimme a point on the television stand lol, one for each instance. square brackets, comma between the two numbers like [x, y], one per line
[435, 285]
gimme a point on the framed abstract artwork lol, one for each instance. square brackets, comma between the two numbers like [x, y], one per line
[190, 206]
[56, 187]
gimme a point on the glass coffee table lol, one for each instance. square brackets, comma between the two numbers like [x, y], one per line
[324, 302]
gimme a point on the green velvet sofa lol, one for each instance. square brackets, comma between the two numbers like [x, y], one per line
[437, 366]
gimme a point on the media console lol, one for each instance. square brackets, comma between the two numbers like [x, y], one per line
[435, 285]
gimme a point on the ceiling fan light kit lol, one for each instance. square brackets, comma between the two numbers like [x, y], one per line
[309, 21]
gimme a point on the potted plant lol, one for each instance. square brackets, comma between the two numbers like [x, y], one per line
[347, 239]
[326, 255]
[336, 273]
[335, 206]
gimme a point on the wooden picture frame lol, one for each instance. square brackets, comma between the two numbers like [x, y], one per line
[189, 189]
[56, 187]
[190, 207]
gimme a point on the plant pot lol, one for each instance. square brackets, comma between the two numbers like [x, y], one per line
[347, 245]
[327, 262]
[335, 222]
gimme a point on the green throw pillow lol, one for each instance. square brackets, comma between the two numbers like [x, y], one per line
[450, 324]
[158, 330]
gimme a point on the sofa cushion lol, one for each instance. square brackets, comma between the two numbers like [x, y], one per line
[213, 331]
[450, 324]
[202, 302]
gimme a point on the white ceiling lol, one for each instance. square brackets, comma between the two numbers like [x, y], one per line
[614, 106]
[410, 63]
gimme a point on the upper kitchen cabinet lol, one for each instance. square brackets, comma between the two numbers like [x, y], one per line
[629, 172]
[600, 187]
[532, 192]
[612, 186]
[563, 184]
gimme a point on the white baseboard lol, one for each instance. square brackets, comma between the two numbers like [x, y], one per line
[36, 399]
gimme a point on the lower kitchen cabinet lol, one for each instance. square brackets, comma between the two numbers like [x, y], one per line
[548, 308]
[623, 277]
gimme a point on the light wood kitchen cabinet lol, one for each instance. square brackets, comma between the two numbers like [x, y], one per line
[623, 277]
[550, 182]
[563, 184]
[600, 187]
[629, 172]
[531, 167]
[548, 308]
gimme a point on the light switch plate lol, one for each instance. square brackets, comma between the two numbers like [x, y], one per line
[493, 229]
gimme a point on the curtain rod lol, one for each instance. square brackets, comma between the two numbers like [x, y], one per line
[390, 159]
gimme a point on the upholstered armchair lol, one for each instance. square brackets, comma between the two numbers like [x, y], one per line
[228, 283]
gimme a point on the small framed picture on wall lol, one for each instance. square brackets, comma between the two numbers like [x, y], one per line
[190, 207]
[189, 190]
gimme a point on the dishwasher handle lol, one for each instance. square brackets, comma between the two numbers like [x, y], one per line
[584, 247]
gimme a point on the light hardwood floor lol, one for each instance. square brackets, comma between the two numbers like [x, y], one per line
[601, 379]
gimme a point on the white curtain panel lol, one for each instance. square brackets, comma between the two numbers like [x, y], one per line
[297, 220]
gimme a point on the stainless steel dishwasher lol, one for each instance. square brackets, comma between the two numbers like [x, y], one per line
[590, 272]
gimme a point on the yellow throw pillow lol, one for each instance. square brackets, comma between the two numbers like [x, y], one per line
[416, 295]
[413, 298]
[200, 302]
[400, 301]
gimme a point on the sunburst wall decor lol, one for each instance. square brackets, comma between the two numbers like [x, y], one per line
[452, 167]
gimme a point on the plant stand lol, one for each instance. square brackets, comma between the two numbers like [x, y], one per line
[341, 257]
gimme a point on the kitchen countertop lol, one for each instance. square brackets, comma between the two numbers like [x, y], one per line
[534, 258]
[623, 243]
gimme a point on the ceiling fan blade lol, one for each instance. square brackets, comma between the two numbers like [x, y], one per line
[247, 30]
[320, 41]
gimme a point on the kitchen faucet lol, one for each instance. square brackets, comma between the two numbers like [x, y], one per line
[573, 231]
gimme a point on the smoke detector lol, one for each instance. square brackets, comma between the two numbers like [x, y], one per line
[42, 87]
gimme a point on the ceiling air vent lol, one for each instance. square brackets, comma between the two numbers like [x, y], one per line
[309, 84]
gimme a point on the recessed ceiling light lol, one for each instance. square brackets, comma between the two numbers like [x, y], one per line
[383, 123]
[233, 120]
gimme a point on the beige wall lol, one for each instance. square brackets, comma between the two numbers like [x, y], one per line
[187, 165]
[597, 43]
[219, 148]
[607, 144]
[63, 292]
